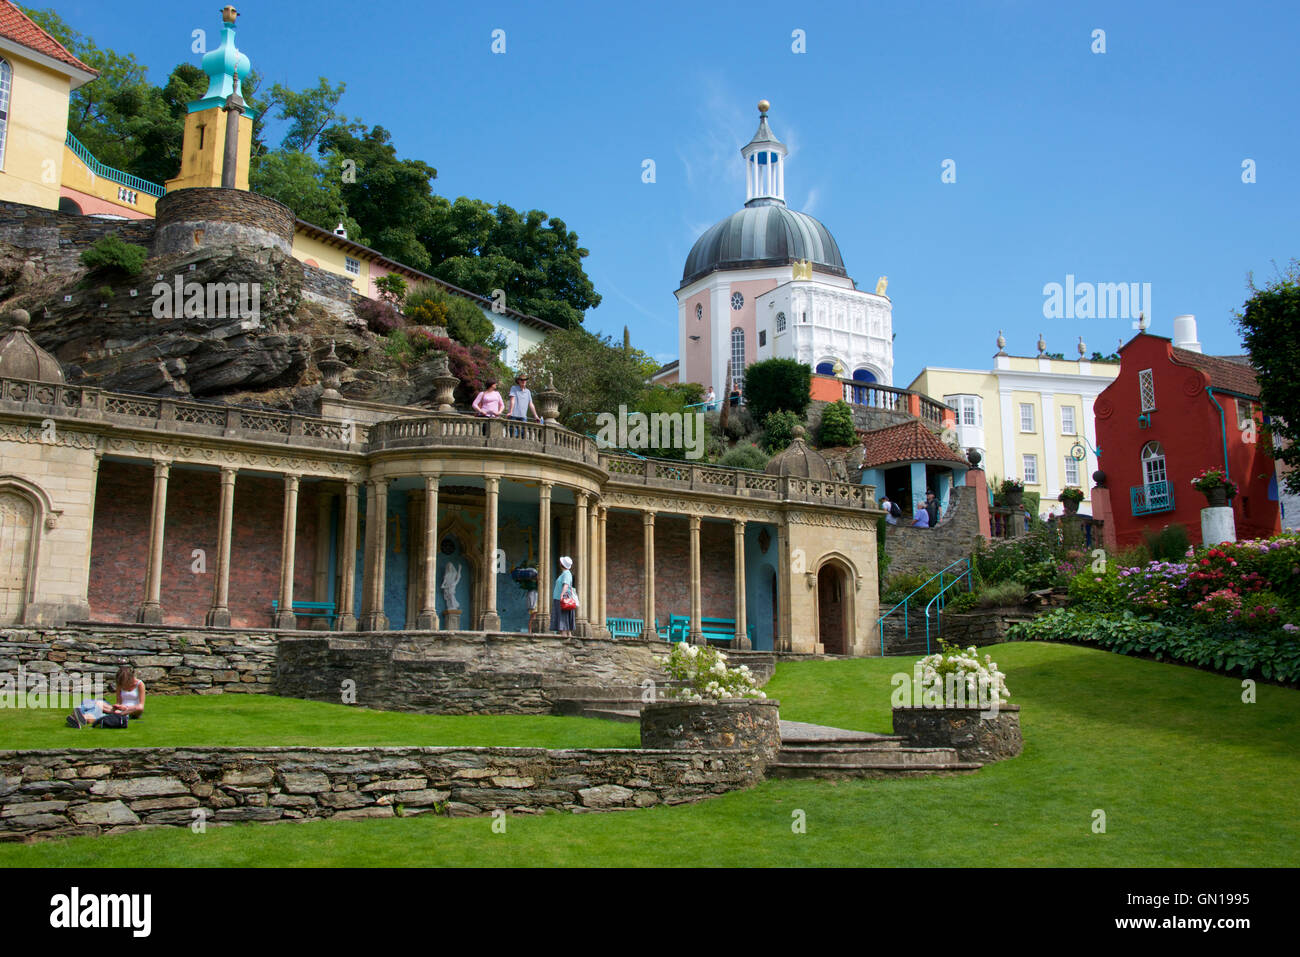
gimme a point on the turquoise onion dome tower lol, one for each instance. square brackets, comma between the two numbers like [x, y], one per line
[226, 68]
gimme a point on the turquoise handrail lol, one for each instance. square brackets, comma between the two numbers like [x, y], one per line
[880, 622]
[943, 589]
[115, 175]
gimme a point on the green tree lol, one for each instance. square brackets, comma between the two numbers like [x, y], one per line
[836, 426]
[592, 372]
[1268, 322]
[312, 188]
[774, 385]
[778, 430]
[308, 112]
[428, 305]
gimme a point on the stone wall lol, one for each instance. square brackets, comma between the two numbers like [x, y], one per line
[911, 550]
[203, 217]
[461, 672]
[749, 724]
[976, 736]
[985, 626]
[107, 790]
[168, 661]
[865, 418]
[54, 241]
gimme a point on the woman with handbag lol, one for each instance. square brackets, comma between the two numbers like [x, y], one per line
[564, 600]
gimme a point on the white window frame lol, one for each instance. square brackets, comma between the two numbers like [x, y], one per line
[1155, 468]
[738, 357]
[1071, 471]
[1029, 408]
[349, 263]
[1029, 467]
[6, 97]
[1072, 426]
[1147, 389]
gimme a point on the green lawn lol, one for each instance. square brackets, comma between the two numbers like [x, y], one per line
[207, 720]
[1186, 774]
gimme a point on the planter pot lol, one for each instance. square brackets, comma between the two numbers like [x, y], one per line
[1013, 499]
[1071, 507]
[976, 735]
[730, 724]
[1217, 497]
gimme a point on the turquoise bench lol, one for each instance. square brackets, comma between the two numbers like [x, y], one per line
[310, 609]
[719, 631]
[629, 627]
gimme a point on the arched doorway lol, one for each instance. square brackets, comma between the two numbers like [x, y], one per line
[833, 609]
[17, 518]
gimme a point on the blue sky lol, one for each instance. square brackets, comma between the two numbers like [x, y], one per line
[1117, 167]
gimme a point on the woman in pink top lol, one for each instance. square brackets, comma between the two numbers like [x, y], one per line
[489, 401]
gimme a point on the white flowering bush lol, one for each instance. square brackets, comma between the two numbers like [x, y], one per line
[967, 671]
[706, 674]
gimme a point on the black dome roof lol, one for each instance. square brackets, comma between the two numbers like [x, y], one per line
[763, 234]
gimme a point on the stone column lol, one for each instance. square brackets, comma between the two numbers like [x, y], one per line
[782, 639]
[742, 632]
[490, 620]
[321, 589]
[284, 616]
[374, 618]
[428, 619]
[150, 612]
[219, 613]
[347, 620]
[696, 635]
[602, 565]
[648, 584]
[582, 626]
[542, 619]
[593, 570]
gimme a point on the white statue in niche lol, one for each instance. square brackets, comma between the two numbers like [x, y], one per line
[450, 579]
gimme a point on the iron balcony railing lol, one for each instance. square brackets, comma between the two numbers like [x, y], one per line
[113, 175]
[1155, 497]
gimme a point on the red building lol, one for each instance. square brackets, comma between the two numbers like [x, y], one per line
[1170, 414]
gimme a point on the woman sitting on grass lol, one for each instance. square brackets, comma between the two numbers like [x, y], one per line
[130, 701]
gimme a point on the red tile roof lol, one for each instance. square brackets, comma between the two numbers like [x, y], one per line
[909, 442]
[1224, 373]
[17, 26]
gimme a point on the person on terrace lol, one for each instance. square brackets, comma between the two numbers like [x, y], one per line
[562, 619]
[489, 402]
[130, 701]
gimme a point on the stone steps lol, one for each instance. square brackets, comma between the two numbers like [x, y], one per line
[882, 756]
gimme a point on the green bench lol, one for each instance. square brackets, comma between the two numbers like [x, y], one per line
[310, 609]
[719, 631]
[629, 627]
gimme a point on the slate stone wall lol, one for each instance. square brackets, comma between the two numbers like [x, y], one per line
[744, 724]
[54, 241]
[461, 672]
[202, 217]
[982, 627]
[57, 793]
[975, 736]
[911, 550]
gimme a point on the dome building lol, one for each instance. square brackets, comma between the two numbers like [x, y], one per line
[769, 281]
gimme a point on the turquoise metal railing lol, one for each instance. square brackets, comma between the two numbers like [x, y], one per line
[1154, 497]
[955, 573]
[113, 175]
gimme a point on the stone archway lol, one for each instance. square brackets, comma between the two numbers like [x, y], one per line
[834, 608]
[18, 533]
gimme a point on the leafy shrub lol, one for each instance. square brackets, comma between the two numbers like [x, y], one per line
[1011, 559]
[774, 385]
[836, 426]
[431, 305]
[902, 585]
[744, 457]
[1089, 589]
[1000, 596]
[1274, 654]
[740, 423]
[392, 288]
[380, 317]
[778, 429]
[1170, 544]
[111, 253]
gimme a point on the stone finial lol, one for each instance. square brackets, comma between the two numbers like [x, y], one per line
[974, 457]
[19, 319]
[548, 401]
[21, 357]
[1042, 344]
[444, 382]
[1143, 322]
[1002, 343]
[1083, 349]
[229, 14]
[331, 368]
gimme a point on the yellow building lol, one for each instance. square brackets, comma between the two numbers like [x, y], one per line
[1029, 416]
[37, 77]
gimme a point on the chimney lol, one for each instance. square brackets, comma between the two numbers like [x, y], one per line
[1185, 333]
[341, 230]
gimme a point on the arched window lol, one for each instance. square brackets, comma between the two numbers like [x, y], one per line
[6, 85]
[1153, 464]
[863, 375]
[825, 368]
[738, 358]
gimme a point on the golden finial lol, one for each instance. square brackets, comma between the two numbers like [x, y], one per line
[764, 106]
[228, 14]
